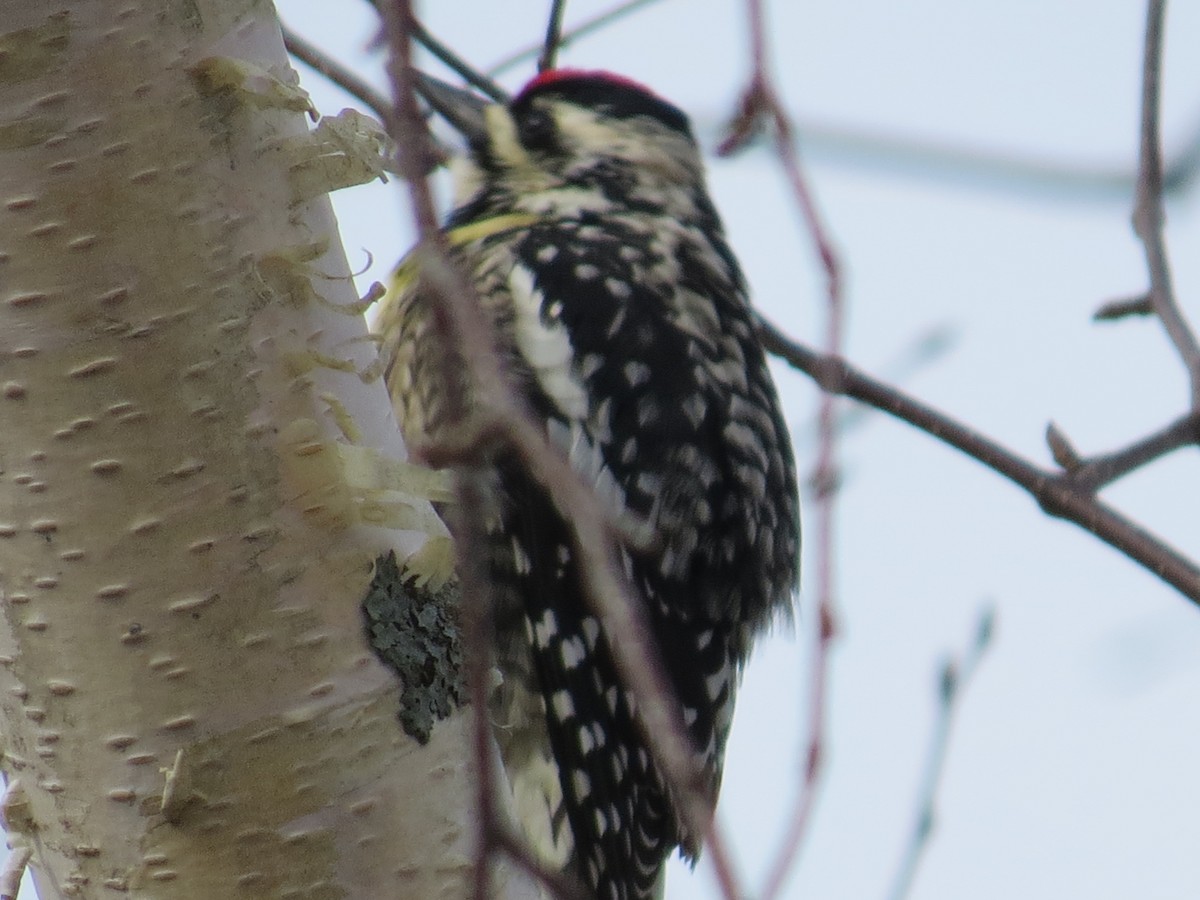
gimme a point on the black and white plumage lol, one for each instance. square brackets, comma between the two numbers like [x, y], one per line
[583, 221]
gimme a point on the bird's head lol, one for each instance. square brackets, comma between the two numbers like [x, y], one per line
[571, 140]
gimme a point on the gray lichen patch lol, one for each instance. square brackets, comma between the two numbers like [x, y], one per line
[416, 633]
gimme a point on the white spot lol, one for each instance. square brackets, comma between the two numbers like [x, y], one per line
[614, 327]
[545, 630]
[582, 784]
[573, 653]
[716, 683]
[695, 408]
[591, 630]
[586, 744]
[590, 365]
[629, 451]
[741, 434]
[690, 716]
[521, 562]
[601, 823]
[668, 561]
[617, 288]
[612, 695]
[562, 705]
[547, 253]
[649, 484]
[754, 479]
[704, 639]
[618, 768]
[586, 271]
[636, 373]
[647, 411]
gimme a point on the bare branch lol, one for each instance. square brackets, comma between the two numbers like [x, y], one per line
[953, 680]
[583, 29]
[323, 64]
[1056, 493]
[1141, 305]
[1062, 449]
[1148, 210]
[1092, 474]
[553, 36]
[461, 67]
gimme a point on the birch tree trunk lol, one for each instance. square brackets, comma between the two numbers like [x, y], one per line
[189, 707]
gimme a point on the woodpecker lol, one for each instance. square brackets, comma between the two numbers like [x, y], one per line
[582, 219]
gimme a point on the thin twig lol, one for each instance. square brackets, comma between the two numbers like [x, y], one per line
[476, 618]
[323, 64]
[583, 29]
[1055, 493]
[554, 36]
[412, 142]
[925, 349]
[1148, 210]
[953, 680]
[1141, 305]
[460, 66]
[1094, 473]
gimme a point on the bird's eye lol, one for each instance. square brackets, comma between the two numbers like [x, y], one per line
[537, 131]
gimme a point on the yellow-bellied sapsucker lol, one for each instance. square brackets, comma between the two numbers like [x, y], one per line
[583, 220]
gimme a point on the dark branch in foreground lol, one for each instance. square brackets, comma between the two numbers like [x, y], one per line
[1056, 493]
[584, 28]
[459, 321]
[554, 36]
[458, 65]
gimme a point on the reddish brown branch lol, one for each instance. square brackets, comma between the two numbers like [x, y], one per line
[760, 107]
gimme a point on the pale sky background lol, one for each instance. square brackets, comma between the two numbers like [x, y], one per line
[1073, 767]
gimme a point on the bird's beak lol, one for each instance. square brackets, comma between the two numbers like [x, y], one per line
[462, 110]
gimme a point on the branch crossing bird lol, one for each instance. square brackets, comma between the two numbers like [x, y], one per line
[583, 221]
